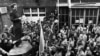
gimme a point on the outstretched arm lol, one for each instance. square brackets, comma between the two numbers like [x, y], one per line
[3, 51]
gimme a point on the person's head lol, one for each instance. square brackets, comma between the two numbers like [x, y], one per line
[94, 25]
[62, 28]
[4, 35]
[52, 14]
[54, 37]
[5, 28]
[88, 48]
[14, 6]
[84, 30]
[67, 27]
[80, 25]
[73, 27]
[75, 34]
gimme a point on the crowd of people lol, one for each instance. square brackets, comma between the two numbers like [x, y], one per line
[67, 41]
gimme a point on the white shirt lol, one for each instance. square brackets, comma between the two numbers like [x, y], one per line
[65, 41]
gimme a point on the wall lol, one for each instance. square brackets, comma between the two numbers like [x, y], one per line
[73, 1]
[86, 0]
[38, 2]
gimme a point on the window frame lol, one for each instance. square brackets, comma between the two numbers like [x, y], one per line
[85, 16]
[37, 12]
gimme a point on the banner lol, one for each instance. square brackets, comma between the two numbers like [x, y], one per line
[42, 42]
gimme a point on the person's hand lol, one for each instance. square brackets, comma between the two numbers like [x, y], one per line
[5, 40]
[3, 51]
[0, 40]
[10, 41]
[0, 55]
[14, 42]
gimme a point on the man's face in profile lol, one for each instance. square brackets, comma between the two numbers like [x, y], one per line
[15, 6]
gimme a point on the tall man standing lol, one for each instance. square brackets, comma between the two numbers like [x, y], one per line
[17, 27]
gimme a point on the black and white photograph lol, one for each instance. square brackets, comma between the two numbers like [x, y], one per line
[49, 27]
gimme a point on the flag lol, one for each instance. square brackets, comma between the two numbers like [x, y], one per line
[69, 3]
[42, 42]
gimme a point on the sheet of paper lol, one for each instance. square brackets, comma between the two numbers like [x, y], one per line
[81, 20]
[77, 21]
[90, 21]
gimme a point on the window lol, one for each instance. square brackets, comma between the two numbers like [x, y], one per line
[34, 9]
[34, 13]
[27, 15]
[63, 17]
[42, 10]
[42, 15]
[81, 12]
[77, 16]
[91, 15]
[88, 14]
[27, 10]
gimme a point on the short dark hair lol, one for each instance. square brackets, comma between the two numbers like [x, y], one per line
[12, 5]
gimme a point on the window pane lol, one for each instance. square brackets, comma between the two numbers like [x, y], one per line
[27, 15]
[90, 18]
[61, 24]
[60, 11]
[94, 20]
[66, 18]
[86, 20]
[77, 12]
[73, 20]
[82, 12]
[64, 11]
[73, 12]
[61, 18]
[26, 9]
[91, 12]
[42, 14]
[87, 12]
[34, 9]
[34, 14]
[77, 18]
[95, 12]
[42, 9]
